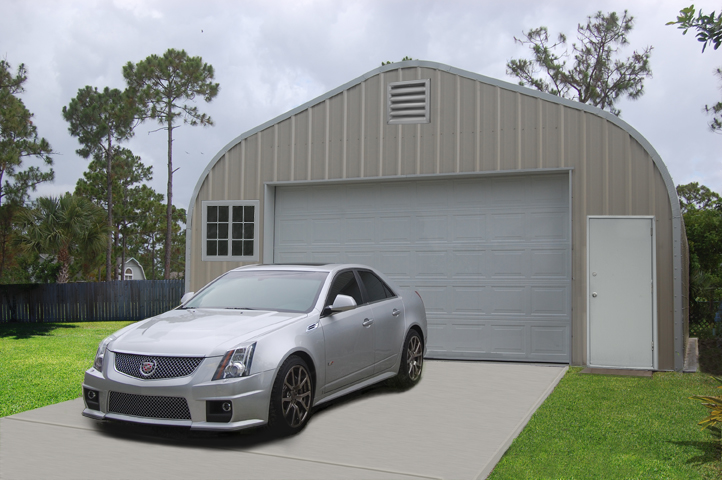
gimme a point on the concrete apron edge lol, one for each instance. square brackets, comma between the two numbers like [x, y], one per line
[252, 452]
[486, 471]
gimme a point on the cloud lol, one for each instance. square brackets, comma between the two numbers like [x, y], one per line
[270, 57]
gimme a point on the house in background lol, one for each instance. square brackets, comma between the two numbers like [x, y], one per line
[536, 229]
[133, 270]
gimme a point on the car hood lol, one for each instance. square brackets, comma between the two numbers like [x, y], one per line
[199, 332]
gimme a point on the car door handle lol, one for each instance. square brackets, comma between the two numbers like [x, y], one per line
[395, 313]
[367, 322]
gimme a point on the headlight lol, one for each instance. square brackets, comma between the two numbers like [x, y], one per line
[100, 354]
[236, 363]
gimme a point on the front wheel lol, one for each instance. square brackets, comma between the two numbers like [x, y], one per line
[412, 360]
[291, 397]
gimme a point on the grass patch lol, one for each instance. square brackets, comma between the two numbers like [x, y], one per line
[597, 426]
[43, 363]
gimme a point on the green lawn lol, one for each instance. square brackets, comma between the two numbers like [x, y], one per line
[43, 364]
[605, 427]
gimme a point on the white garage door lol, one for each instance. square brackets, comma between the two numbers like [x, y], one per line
[490, 256]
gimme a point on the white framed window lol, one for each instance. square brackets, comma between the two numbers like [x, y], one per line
[128, 274]
[230, 230]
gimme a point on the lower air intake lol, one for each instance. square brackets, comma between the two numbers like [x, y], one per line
[170, 408]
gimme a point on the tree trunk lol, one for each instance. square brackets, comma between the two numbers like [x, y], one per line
[109, 250]
[64, 259]
[169, 210]
[122, 261]
[116, 241]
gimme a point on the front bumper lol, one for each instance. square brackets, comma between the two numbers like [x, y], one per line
[249, 397]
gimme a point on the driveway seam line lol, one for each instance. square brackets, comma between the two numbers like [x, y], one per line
[47, 423]
[340, 464]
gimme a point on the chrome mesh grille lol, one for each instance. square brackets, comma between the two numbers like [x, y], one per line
[149, 406]
[165, 367]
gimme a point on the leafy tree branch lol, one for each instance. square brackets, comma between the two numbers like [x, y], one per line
[590, 71]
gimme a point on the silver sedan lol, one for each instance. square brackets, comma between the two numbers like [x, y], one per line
[260, 345]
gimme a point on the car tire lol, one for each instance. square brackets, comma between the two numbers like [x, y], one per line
[412, 360]
[291, 397]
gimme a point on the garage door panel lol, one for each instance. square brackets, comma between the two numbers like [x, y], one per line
[395, 229]
[509, 300]
[549, 340]
[549, 263]
[468, 264]
[545, 226]
[326, 231]
[436, 298]
[468, 227]
[469, 301]
[508, 264]
[364, 258]
[431, 265]
[433, 195]
[360, 230]
[431, 228]
[549, 301]
[437, 336]
[469, 193]
[505, 191]
[491, 257]
[397, 196]
[292, 232]
[507, 227]
[548, 191]
[508, 339]
[469, 338]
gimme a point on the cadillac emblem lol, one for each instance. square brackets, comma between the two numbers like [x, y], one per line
[147, 367]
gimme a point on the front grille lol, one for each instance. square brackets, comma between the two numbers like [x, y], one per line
[149, 406]
[165, 367]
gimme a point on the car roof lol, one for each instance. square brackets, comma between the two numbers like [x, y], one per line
[302, 267]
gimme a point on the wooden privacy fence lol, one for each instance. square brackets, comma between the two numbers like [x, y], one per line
[86, 302]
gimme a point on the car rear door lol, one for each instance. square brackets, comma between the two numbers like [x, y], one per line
[388, 326]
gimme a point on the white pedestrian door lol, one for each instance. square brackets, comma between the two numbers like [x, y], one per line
[621, 292]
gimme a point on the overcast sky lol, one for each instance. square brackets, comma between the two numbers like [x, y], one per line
[272, 56]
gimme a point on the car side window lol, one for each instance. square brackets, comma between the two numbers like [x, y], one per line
[345, 284]
[376, 290]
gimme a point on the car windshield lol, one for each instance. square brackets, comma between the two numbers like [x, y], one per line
[285, 291]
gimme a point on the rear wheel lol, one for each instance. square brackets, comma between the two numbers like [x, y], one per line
[291, 397]
[412, 360]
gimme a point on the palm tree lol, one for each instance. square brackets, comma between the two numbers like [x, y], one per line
[66, 227]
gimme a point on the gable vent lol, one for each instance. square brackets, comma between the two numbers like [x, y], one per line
[408, 102]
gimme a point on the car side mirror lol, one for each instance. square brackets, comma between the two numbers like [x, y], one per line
[342, 303]
[187, 296]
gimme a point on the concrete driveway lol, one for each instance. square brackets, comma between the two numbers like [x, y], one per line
[456, 424]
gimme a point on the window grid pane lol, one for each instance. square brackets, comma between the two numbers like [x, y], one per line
[230, 227]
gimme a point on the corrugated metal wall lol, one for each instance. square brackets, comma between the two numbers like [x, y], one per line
[475, 127]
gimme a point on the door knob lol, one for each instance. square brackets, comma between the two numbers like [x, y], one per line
[594, 294]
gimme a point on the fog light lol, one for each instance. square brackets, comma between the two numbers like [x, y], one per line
[219, 411]
[92, 399]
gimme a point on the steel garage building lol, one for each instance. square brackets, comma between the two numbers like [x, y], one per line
[536, 229]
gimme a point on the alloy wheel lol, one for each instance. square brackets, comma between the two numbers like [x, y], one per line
[296, 396]
[414, 358]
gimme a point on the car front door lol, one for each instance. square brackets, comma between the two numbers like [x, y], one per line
[348, 336]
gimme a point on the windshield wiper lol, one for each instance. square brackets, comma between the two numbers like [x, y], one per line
[239, 308]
